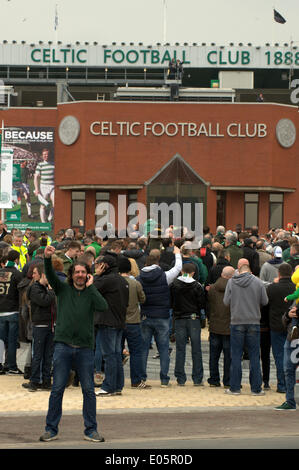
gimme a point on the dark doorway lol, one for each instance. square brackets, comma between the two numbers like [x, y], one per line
[178, 183]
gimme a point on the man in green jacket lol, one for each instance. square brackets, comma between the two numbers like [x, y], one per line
[78, 299]
[233, 249]
[72, 253]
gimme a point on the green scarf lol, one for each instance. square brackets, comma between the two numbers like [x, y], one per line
[10, 264]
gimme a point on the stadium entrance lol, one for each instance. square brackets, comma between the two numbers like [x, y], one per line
[181, 190]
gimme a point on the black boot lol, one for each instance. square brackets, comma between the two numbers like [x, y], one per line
[46, 385]
[27, 372]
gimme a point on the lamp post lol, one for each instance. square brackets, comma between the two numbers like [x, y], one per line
[1, 135]
[164, 22]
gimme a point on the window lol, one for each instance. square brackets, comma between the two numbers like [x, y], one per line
[78, 207]
[132, 198]
[221, 207]
[103, 196]
[251, 209]
[276, 210]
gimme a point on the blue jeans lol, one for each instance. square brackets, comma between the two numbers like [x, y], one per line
[9, 331]
[219, 343]
[42, 354]
[98, 357]
[65, 359]
[110, 341]
[278, 340]
[185, 328]
[265, 355]
[245, 335]
[290, 371]
[159, 328]
[132, 334]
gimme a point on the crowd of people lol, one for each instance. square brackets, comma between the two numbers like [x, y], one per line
[175, 69]
[87, 304]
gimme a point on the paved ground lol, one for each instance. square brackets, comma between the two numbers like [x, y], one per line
[157, 429]
[14, 398]
[153, 365]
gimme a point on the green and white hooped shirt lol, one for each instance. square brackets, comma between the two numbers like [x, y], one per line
[46, 172]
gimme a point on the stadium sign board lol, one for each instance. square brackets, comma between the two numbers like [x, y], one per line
[240, 57]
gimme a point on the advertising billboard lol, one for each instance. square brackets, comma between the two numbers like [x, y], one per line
[6, 201]
[33, 177]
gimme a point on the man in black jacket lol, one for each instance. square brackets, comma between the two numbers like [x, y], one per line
[188, 299]
[252, 255]
[111, 322]
[223, 260]
[206, 253]
[276, 292]
[138, 255]
[167, 256]
[9, 310]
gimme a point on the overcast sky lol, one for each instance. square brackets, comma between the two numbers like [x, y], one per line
[219, 21]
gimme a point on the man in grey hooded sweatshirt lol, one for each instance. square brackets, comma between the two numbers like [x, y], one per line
[269, 270]
[245, 294]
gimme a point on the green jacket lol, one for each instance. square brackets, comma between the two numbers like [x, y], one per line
[203, 271]
[286, 254]
[236, 253]
[67, 262]
[293, 296]
[96, 246]
[75, 310]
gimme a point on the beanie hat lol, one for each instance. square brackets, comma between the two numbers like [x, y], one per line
[124, 265]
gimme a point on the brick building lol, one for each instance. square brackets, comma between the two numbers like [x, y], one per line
[240, 160]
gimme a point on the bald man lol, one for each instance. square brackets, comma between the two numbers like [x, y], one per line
[242, 262]
[245, 294]
[228, 272]
[219, 327]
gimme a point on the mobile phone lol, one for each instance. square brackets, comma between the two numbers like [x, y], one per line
[296, 311]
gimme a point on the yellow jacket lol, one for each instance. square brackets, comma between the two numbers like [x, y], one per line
[23, 252]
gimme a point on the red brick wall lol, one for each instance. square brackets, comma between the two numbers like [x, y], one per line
[222, 161]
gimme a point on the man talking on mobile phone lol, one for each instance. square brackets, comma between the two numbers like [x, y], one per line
[78, 299]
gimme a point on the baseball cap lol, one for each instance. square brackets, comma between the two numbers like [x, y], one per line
[110, 260]
[206, 241]
[277, 252]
